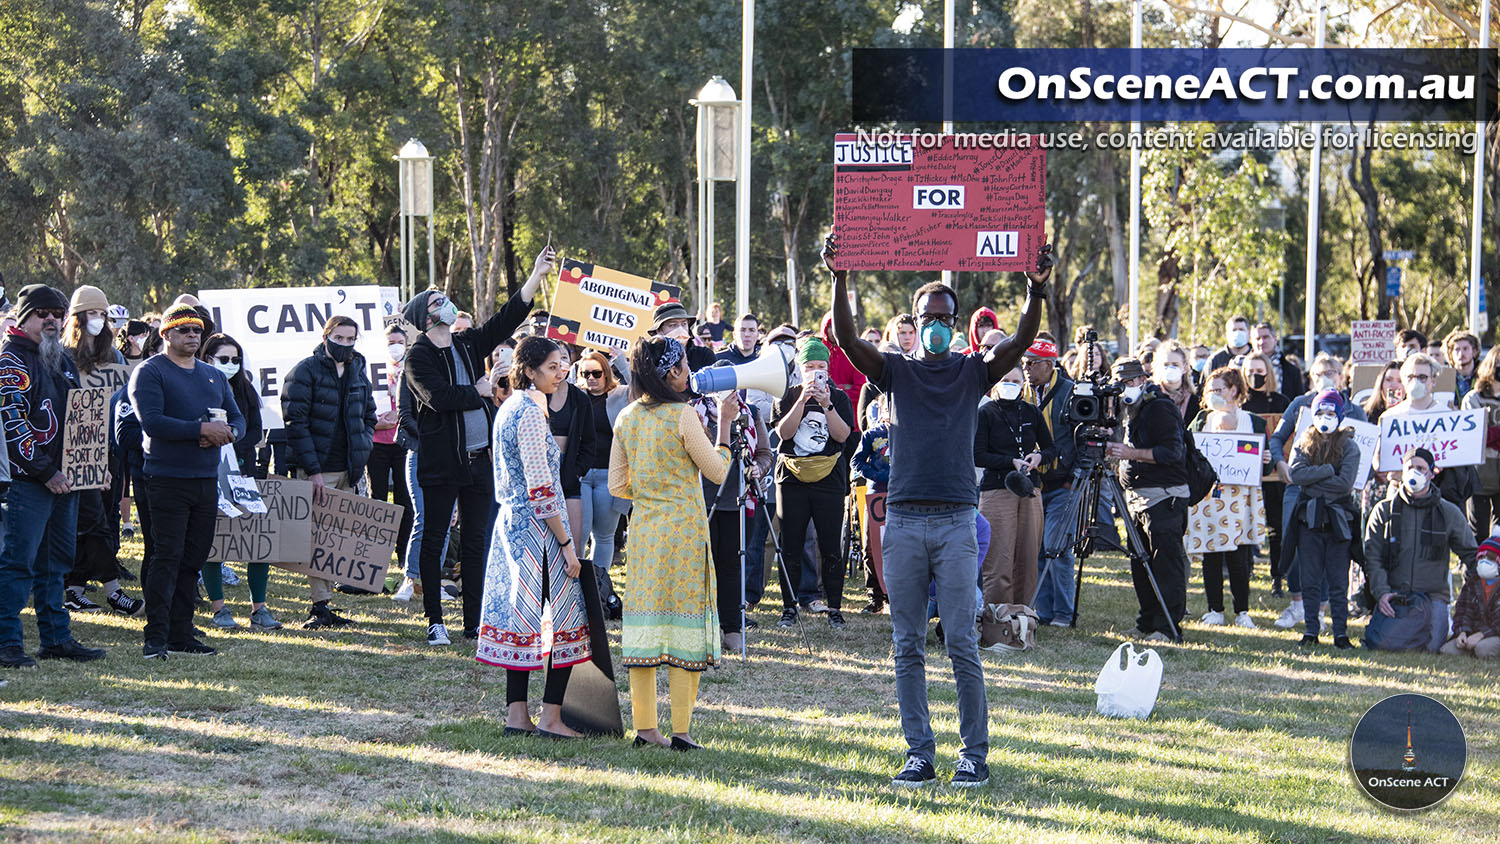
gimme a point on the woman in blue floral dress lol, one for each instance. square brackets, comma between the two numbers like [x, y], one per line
[532, 563]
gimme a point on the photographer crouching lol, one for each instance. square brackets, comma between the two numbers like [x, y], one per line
[1151, 471]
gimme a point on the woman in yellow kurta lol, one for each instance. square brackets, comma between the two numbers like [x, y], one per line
[660, 449]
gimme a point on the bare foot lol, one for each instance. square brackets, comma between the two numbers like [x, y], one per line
[520, 725]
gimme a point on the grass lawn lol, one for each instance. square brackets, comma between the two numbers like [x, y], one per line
[369, 734]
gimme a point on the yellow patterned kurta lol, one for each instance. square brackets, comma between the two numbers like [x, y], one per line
[670, 613]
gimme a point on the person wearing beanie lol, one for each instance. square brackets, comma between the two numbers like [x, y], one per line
[1407, 541]
[41, 521]
[813, 419]
[89, 340]
[451, 411]
[1325, 462]
[187, 413]
[1476, 614]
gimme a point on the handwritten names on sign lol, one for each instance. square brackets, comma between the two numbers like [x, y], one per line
[956, 206]
[1235, 457]
[85, 457]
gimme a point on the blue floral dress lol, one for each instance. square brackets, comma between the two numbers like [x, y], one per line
[528, 485]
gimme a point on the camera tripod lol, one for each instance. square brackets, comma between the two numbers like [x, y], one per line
[1091, 481]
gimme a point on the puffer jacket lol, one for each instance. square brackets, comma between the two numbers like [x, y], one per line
[1489, 470]
[33, 407]
[312, 401]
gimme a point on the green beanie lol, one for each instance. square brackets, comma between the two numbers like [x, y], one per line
[811, 348]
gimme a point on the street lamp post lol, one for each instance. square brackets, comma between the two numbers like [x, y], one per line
[414, 169]
[718, 148]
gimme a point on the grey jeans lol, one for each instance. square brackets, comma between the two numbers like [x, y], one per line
[939, 547]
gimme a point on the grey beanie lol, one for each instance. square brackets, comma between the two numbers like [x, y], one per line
[415, 311]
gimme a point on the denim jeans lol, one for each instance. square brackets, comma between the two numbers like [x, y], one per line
[942, 548]
[600, 516]
[418, 521]
[41, 531]
[1054, 597]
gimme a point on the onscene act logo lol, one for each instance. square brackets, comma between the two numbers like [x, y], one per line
[1408, 752]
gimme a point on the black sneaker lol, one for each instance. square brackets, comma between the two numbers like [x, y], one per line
[154, 652]
[471, 634]
[14, 656]
[788, 617]
[124, 604]
[873, 608]
[79, 602]
[751, 624]
[836, 619]
[916, 773]
[1343, 643]
[193, 647]
[1308, 640]
[970, 773]
[321, 617]
[353, 590]
[70, 650]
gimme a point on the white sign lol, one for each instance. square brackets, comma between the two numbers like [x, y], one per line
[278, 327]
[1235, 457]
[1366, 436]
[1372, 340]
[1455, 437]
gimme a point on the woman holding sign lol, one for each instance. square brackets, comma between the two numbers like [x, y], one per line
[1228, 525]
[533, 561]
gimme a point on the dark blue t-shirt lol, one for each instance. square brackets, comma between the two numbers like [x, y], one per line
[934, 408]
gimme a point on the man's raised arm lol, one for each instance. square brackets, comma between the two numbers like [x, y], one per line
[1004, 357]
[865, 357]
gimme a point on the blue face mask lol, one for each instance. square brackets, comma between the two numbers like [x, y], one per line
[936, 337]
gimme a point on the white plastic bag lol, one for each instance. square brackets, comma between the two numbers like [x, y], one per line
[1129, 682]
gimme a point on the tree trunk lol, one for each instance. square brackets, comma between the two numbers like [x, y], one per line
[1364, 187]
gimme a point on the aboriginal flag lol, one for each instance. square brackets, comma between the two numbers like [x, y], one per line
[1249, 447]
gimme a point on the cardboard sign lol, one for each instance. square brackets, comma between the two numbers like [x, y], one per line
[1235, 457]
[282, 535]
[1370, 340]
[1366, 436]
[1455, 437]
[959, 205]
[279, 327]
[111, 376]
[603, 309]
[353, 538]
[85, 456]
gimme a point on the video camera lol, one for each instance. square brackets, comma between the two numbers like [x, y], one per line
[1093, 411]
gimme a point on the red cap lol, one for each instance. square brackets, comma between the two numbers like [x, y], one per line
[1043, 349]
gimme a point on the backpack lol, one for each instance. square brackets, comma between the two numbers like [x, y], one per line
[1201, 476]
[1010, 627]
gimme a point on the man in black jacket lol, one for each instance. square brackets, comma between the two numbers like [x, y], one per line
[329, 412]
[1051, 389]
[1152, 459]
[41, 520]
[453, 410]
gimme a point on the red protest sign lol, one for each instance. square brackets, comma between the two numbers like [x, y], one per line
[969, 202]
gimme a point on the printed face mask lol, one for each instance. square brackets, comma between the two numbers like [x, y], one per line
[679, 333]
[936, 337]
[1326, 423]
[1217, 402]
[397, 351]
[94, 326]
[1009, 391]
[1131, 395]
[229, 369]
[1413, 480]
[1171, 374]
[446, 314]
[1239, 337]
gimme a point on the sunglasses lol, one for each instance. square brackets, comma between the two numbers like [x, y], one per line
[226, 359]
[592, 373]
[946, 319]
[51, 314]
[188, 329]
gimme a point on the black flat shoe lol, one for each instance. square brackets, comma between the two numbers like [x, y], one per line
[1308, 641]
[541, 733]
[518, 731]
[640, 742]
[683, 745]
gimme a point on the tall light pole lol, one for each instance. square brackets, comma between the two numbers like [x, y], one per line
[718, 142]
[1135, 189]
[947, 275]
[1314, 197]
[1476, 245]
[742, 189]
[414, 171]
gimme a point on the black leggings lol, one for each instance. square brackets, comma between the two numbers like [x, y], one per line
[825, 507]
[724, 539]
[557, 678]
[1272, 494]
[1238, 562]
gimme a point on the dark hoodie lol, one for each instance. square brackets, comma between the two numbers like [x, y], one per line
[33, 405]
[975, 341]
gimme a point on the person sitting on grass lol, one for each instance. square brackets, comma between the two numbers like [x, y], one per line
[1407, 542]
[1476, 616]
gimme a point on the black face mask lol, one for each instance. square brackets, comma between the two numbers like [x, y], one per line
[340, 354]
[1258, 381]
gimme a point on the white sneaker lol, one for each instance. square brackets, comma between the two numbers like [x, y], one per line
[817, 605]
[228, 576]
[1291, 616]
[1324, 625]
[407, 590]
[1244, 620]
[437, 634]
[1215, 619]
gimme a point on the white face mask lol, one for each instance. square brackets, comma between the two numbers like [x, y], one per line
[1488, 568]
[1327, 382]
[1009, 391]
[1413, 480]
[397, 351]
[1131, 395]
[1217, 402]
[94, 326]
[229, 369]
[679, 333]
[1238, 338]
[1416, 390]
[1171, 374]
[1326, 423]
